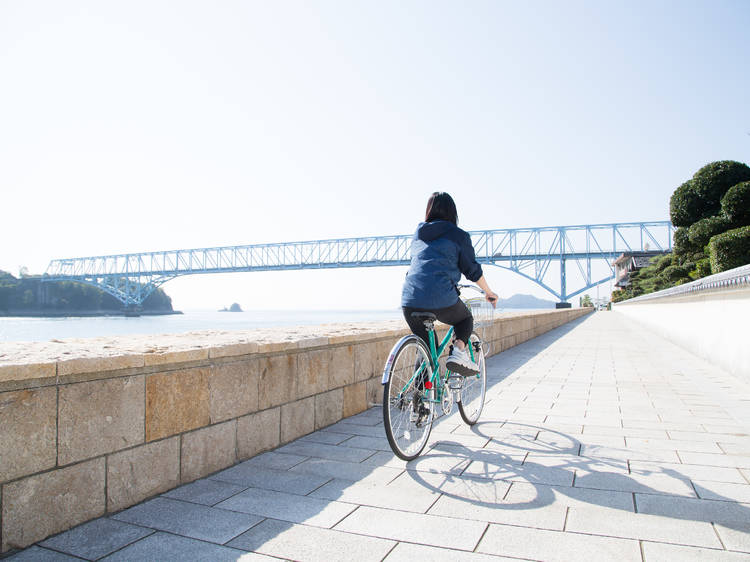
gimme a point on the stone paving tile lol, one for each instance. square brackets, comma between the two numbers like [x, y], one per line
[413, 527]
[288, 507]
[432, 460]
[503, 467]
[282, 480]
[553, 546]
[206, 492]
[274, 460]
[630, 454]
[323, 451]
[366, 442]
[693, 509]
[538, 517]
[477, 490]
[96, 539]
[735, 448]
[189, 519]
[418, 499]
[736, 537]
[300, 542]
[355, 429]
[722, 491]
[357, 472]
[660, 552]
[673, 445]
[38, 554]
[705, 436]
[709, 459]
[326, 437]
[406, 552]
[532, 495]
[644, 483]
[594, 521]
[164, 547]
[689, 471]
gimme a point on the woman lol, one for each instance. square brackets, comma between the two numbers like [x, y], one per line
[440, 253]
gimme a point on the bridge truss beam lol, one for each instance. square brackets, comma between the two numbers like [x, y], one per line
[530, 252]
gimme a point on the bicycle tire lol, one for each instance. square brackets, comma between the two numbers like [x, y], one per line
[474, 387]
[407, 417]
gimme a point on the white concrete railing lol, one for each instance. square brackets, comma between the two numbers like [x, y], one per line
[708, 317]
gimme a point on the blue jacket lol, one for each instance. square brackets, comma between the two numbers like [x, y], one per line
[440, 253]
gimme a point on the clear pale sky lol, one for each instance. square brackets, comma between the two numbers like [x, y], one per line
[136, 126]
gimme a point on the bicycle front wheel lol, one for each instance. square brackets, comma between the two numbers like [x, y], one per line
[407, 405]
[474, 387]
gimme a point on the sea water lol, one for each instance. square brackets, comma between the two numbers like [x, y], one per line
[14, 329]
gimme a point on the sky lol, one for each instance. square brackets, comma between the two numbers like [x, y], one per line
[138, 126]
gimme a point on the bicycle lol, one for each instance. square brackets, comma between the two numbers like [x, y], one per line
[413, 387]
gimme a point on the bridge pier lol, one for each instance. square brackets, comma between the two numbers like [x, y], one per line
[562, 305]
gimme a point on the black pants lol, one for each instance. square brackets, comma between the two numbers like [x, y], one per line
[458, 316]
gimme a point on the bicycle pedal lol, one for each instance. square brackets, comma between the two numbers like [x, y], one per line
[455, 382]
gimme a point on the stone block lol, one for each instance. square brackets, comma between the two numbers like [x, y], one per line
[355, 398]
[28, 438]
[100, 417]
[277, 382]
[142, 472]
[328, 407]
[233, 350]
[312, 341]
[172, 357]
[374, 391]
[297, 419]
[258, 432]
[27, 371]
[233, 390]
[342, 366]
[98, 364]
[45, 504]
[367, 361]
[176, 402]
[312, 372]
[208, 450]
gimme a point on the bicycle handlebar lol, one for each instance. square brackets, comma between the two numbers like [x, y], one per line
[469, 286]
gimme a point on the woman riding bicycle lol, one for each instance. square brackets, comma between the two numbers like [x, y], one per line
[440, 253]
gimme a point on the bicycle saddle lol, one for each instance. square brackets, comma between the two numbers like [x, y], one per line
[424, 316]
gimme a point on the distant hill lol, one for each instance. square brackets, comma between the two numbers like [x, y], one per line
[525, 301]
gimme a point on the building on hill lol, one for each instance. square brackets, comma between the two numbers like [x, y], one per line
[630, 262]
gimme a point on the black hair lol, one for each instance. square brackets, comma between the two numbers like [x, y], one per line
[440, 207]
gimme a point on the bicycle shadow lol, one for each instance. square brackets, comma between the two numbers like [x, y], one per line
[516, 473]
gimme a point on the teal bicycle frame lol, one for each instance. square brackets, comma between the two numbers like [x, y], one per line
[435, 353]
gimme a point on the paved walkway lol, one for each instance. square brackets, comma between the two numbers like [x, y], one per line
[598, 442]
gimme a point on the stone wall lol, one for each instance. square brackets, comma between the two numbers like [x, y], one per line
[90, 427]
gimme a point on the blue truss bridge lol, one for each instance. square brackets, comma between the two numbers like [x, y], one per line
[542, 255]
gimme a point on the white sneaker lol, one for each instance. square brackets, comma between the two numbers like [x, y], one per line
[460, 362]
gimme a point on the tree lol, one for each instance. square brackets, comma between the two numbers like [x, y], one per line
[586, 301]
[736, 204]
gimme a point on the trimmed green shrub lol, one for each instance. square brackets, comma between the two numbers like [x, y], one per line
[736, 204]
[661, 263]
[682, 244]
[701, 232]
[674, 273]
[730, 249]
[702, 268]
[686, 205]
[713, 180]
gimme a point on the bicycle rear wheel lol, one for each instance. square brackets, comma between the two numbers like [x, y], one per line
[474, 387]
[407, 406]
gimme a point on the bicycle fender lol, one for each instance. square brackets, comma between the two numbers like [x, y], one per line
[391, 357]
